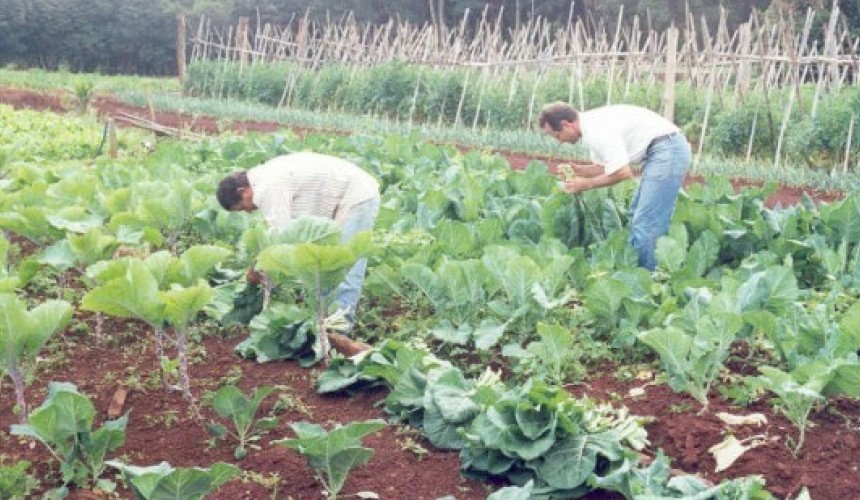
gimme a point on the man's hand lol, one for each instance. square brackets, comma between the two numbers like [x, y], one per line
[255, 277]
[580, 169]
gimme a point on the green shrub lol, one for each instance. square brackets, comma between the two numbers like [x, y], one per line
[821, 141]
[730, 129]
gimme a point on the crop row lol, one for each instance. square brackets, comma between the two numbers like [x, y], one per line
[469, 257]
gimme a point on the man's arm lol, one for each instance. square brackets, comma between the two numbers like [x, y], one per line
[588, 170]
[582, 169]
[584, 183]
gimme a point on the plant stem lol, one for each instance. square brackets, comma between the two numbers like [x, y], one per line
[321, 311]
[159, 343]
[18, 382]
[184, 381]
[99, 326]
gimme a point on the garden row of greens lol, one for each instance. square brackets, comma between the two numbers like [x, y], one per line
[818, 132]
[487, 261]
[165, 95]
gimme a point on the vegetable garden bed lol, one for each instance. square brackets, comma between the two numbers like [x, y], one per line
[101, 354]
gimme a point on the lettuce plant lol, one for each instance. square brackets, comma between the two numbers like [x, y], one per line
[334, 453]
[23, 333]
[229, 402]
[64, 424]
[164, 482]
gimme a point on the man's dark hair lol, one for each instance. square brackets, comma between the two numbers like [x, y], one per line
[556, 112]
[228, 189]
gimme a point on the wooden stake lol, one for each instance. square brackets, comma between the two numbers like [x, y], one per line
[242, 41]
[752, 135]
[669, 76]
[848, 146]
[180, 47]
[783, 128]
[149, 103]
[112, 138]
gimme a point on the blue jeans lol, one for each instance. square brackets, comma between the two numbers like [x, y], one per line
[663, 170]
[361, 218]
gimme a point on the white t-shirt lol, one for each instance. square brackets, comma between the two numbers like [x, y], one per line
[293, 185]
[618, 134]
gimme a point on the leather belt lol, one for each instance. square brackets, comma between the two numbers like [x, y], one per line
[663, 137]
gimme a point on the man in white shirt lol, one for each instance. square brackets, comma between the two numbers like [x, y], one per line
[299, 184]
[618, 136]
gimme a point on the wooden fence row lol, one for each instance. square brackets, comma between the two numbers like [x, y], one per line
[767, 50]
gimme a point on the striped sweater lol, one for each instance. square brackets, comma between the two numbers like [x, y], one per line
[298, 184]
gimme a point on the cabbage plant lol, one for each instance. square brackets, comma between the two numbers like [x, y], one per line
[164, 482]
[23, 333]
[315, 256]
[162, 291]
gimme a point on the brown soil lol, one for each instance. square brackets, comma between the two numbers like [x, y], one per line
[826, 465]
[161, 427]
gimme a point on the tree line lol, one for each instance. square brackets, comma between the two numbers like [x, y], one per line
[139, 36]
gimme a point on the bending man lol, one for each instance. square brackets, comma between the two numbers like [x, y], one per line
[300, 184]
[618, 136]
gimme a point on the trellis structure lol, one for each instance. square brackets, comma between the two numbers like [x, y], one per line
[765, 51]
[769, 51]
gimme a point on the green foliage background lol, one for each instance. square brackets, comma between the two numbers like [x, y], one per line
[408, 93]
[139, 36]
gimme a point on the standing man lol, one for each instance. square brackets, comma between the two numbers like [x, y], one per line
[300, 184]
[618, 136]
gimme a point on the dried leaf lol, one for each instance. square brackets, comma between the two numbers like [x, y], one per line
[756, 419]
[636, 392]
[730, 449]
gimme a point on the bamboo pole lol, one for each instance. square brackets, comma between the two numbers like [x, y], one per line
[114, 148]
[241, 43]
[181, 30]
[613, 60]
[848, 145]
[752, 135]
[785, 119]
[669, 76]
[457, 117]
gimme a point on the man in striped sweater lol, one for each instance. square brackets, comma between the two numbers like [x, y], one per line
[300, 184]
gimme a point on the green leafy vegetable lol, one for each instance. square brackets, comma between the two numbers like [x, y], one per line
[796, 400]
[23, 333]
[229, 402]
[164, 482]
[283, 331]
[64, 424]
[320, 267]
[334, 453]
[694, 349]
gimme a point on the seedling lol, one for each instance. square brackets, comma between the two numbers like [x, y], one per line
[163, 482]
[64, 424]
[334, 453]
[229, 402]
[23, 333]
